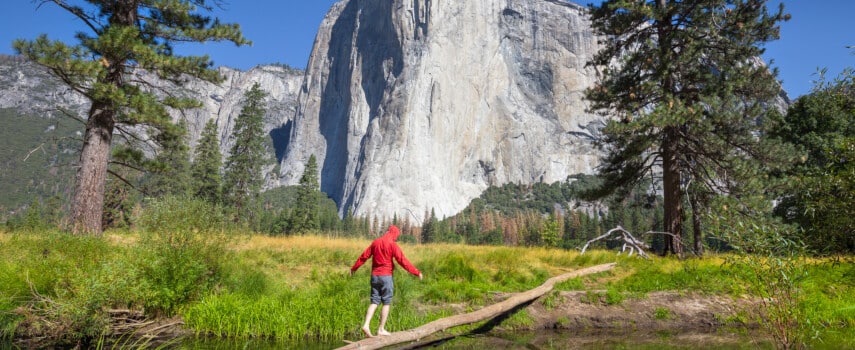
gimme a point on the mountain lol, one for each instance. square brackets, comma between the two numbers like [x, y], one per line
[40, 143]
[413, 105]
[408, 106]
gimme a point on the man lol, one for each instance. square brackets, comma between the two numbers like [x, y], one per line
[382, 251]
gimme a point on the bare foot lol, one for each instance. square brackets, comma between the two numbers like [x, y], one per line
[367, 332]
[383, 332]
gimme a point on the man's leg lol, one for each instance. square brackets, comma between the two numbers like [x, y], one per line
[368, 316]
[384, 314]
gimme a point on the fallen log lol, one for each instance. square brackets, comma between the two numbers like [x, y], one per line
[485, 313]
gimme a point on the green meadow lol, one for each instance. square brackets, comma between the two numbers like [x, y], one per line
[232, 285]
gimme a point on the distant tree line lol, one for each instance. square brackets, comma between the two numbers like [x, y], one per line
[549, 215]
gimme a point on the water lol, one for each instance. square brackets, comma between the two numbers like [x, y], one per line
[546, 339]
[549, 339]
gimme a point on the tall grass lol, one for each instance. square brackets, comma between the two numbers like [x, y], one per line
[308, 294]
[59, 287]
[298, 289]
[60, 284]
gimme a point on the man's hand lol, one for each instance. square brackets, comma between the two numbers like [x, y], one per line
[420, 276]
[351, 273]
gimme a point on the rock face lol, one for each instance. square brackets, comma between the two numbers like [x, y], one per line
[29, 89]
[223, 102]
[413, 105]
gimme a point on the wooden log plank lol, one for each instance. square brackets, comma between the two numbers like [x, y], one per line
[485, 313]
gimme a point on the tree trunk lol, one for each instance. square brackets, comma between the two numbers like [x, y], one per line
[472, 317]
[671, 188]
[88, 201]
[673, 218]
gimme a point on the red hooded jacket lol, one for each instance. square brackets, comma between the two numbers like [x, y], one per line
[384, 249]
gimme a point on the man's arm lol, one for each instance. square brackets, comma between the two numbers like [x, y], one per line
[362, 259]
[402, 260]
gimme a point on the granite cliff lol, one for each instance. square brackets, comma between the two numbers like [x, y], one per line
[413, 105]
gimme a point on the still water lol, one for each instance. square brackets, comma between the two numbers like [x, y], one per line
[525, 340]
[547, 339]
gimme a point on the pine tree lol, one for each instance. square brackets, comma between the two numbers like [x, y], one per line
[550, 233]
[683, 81]
[33, 216]
[243, 177]
[429, 229]
[406, 226]
[126, 35]
[207, 165]
[170, 173]
[375, 226]
[304, 218]
[349, 225]
[119, 200]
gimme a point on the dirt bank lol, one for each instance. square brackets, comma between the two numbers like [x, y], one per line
[671, 311]
[591, 320]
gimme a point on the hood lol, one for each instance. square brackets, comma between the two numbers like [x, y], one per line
[392, 233]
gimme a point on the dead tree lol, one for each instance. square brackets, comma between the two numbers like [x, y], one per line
[485, 313]
[629, 241]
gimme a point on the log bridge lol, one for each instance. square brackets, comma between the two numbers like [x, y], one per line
[485, 313]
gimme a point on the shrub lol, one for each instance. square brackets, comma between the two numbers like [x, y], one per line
[614, 297]
[662, 313]
[182, 243]
[57, 287]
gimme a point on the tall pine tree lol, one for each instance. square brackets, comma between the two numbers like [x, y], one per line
[207, 165]
[170, 169]
[304, 217]
[683, 81]
[243, 177]
[124, 35]
[430, 228]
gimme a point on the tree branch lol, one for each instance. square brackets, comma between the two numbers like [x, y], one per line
[485, 313]
[77, 11]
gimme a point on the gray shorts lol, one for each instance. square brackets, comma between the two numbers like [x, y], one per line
[381, 289]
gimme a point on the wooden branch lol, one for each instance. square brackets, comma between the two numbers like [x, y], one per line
[630, 241]
[40, 147]
[485, 313]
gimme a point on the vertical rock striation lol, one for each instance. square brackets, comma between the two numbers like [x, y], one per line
[420, 104]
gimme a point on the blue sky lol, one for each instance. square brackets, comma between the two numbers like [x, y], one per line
[283, 31]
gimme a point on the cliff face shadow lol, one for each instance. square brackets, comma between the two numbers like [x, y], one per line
[336, 102]
[281, 136]
[380, 61]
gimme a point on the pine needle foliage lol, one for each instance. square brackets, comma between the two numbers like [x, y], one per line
[124, 39]
[687, 91]
[207, 165]
[243, 168]
[304, 218]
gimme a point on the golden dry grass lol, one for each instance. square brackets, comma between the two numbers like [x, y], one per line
[292, 259]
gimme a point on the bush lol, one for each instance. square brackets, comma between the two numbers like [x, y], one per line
[56, 287]
[183, 244]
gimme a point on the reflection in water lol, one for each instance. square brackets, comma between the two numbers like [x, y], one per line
[722, 338]
[547, 339]
[255, 344]
[563, 339]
